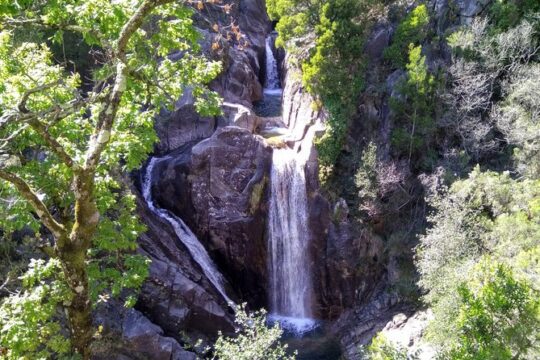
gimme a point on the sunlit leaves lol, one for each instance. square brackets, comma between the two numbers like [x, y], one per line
[49, 117]
[29, 320]
[254, 340]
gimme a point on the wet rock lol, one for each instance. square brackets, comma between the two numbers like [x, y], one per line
[226, 179]
[177, 296]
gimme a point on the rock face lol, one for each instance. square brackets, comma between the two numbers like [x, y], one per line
[239, 82]
[218, 187]
[127, 334]
[177, 296]
[357, 326]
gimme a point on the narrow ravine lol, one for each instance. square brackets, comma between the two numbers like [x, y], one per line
[184, 234]
[290, 293]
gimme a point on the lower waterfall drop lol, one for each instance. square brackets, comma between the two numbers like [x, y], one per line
[290, 276]
[185, 235]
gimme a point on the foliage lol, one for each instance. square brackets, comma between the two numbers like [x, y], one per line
[484, 62]
[63, 146]
[488, 213]
[518, 117]
[383, 349]
[254, 340]
[30, 325]
[508, 13]
[414, 107]
[366, 175]
[333, 69]
[412, 30]
[499, 315]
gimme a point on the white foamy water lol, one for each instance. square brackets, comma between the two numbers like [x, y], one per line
[271, 86]
[184, 234]
[290, 275]
[297, 326]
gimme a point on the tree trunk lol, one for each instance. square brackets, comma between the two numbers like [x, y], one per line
[79, 310]
[72, 252]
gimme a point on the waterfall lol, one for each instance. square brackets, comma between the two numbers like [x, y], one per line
[290, 276]
[288, 233]
[184, 234]
[272, 83]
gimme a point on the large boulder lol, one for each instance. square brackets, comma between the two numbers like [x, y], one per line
[126, 334]
[177, 295]
[219, 187]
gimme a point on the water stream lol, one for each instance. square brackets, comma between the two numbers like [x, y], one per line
[272, 83]
[184, 234]
[290, 293]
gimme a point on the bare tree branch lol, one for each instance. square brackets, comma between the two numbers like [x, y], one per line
[57, 229]
[52, 143]
[106, 117]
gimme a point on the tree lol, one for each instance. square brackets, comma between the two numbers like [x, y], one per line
[63, 146]
[487, 214]
[518, 117]
[415, 106]
[254, 340]
[412, 30]
[498, 317]
[484, 63]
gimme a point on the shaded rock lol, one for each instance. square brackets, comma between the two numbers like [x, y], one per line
[238, 83]
[356, 327]
[177, 296]
[183, 125]
[128, 334]
[226, 178]
[377, 42]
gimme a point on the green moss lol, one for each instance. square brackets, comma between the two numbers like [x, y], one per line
[256, 195]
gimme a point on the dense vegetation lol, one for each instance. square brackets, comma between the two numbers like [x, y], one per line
[470, 129]
[64, 148]
[457, 177]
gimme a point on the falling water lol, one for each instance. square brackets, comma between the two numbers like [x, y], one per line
[290, 280]
[288, 233]
[184, 234]
[272, 83]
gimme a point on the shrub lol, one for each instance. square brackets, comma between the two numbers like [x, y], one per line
[254, 340]
[498, 317]
[412, 30]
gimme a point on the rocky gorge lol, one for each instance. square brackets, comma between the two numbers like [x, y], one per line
[215, 175]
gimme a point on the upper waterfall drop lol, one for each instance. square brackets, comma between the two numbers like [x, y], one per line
[272, 83]
[184, 234]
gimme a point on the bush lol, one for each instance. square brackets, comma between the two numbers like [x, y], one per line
[488, 213]
[412, 30]
[254, 341]
[498, 317]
